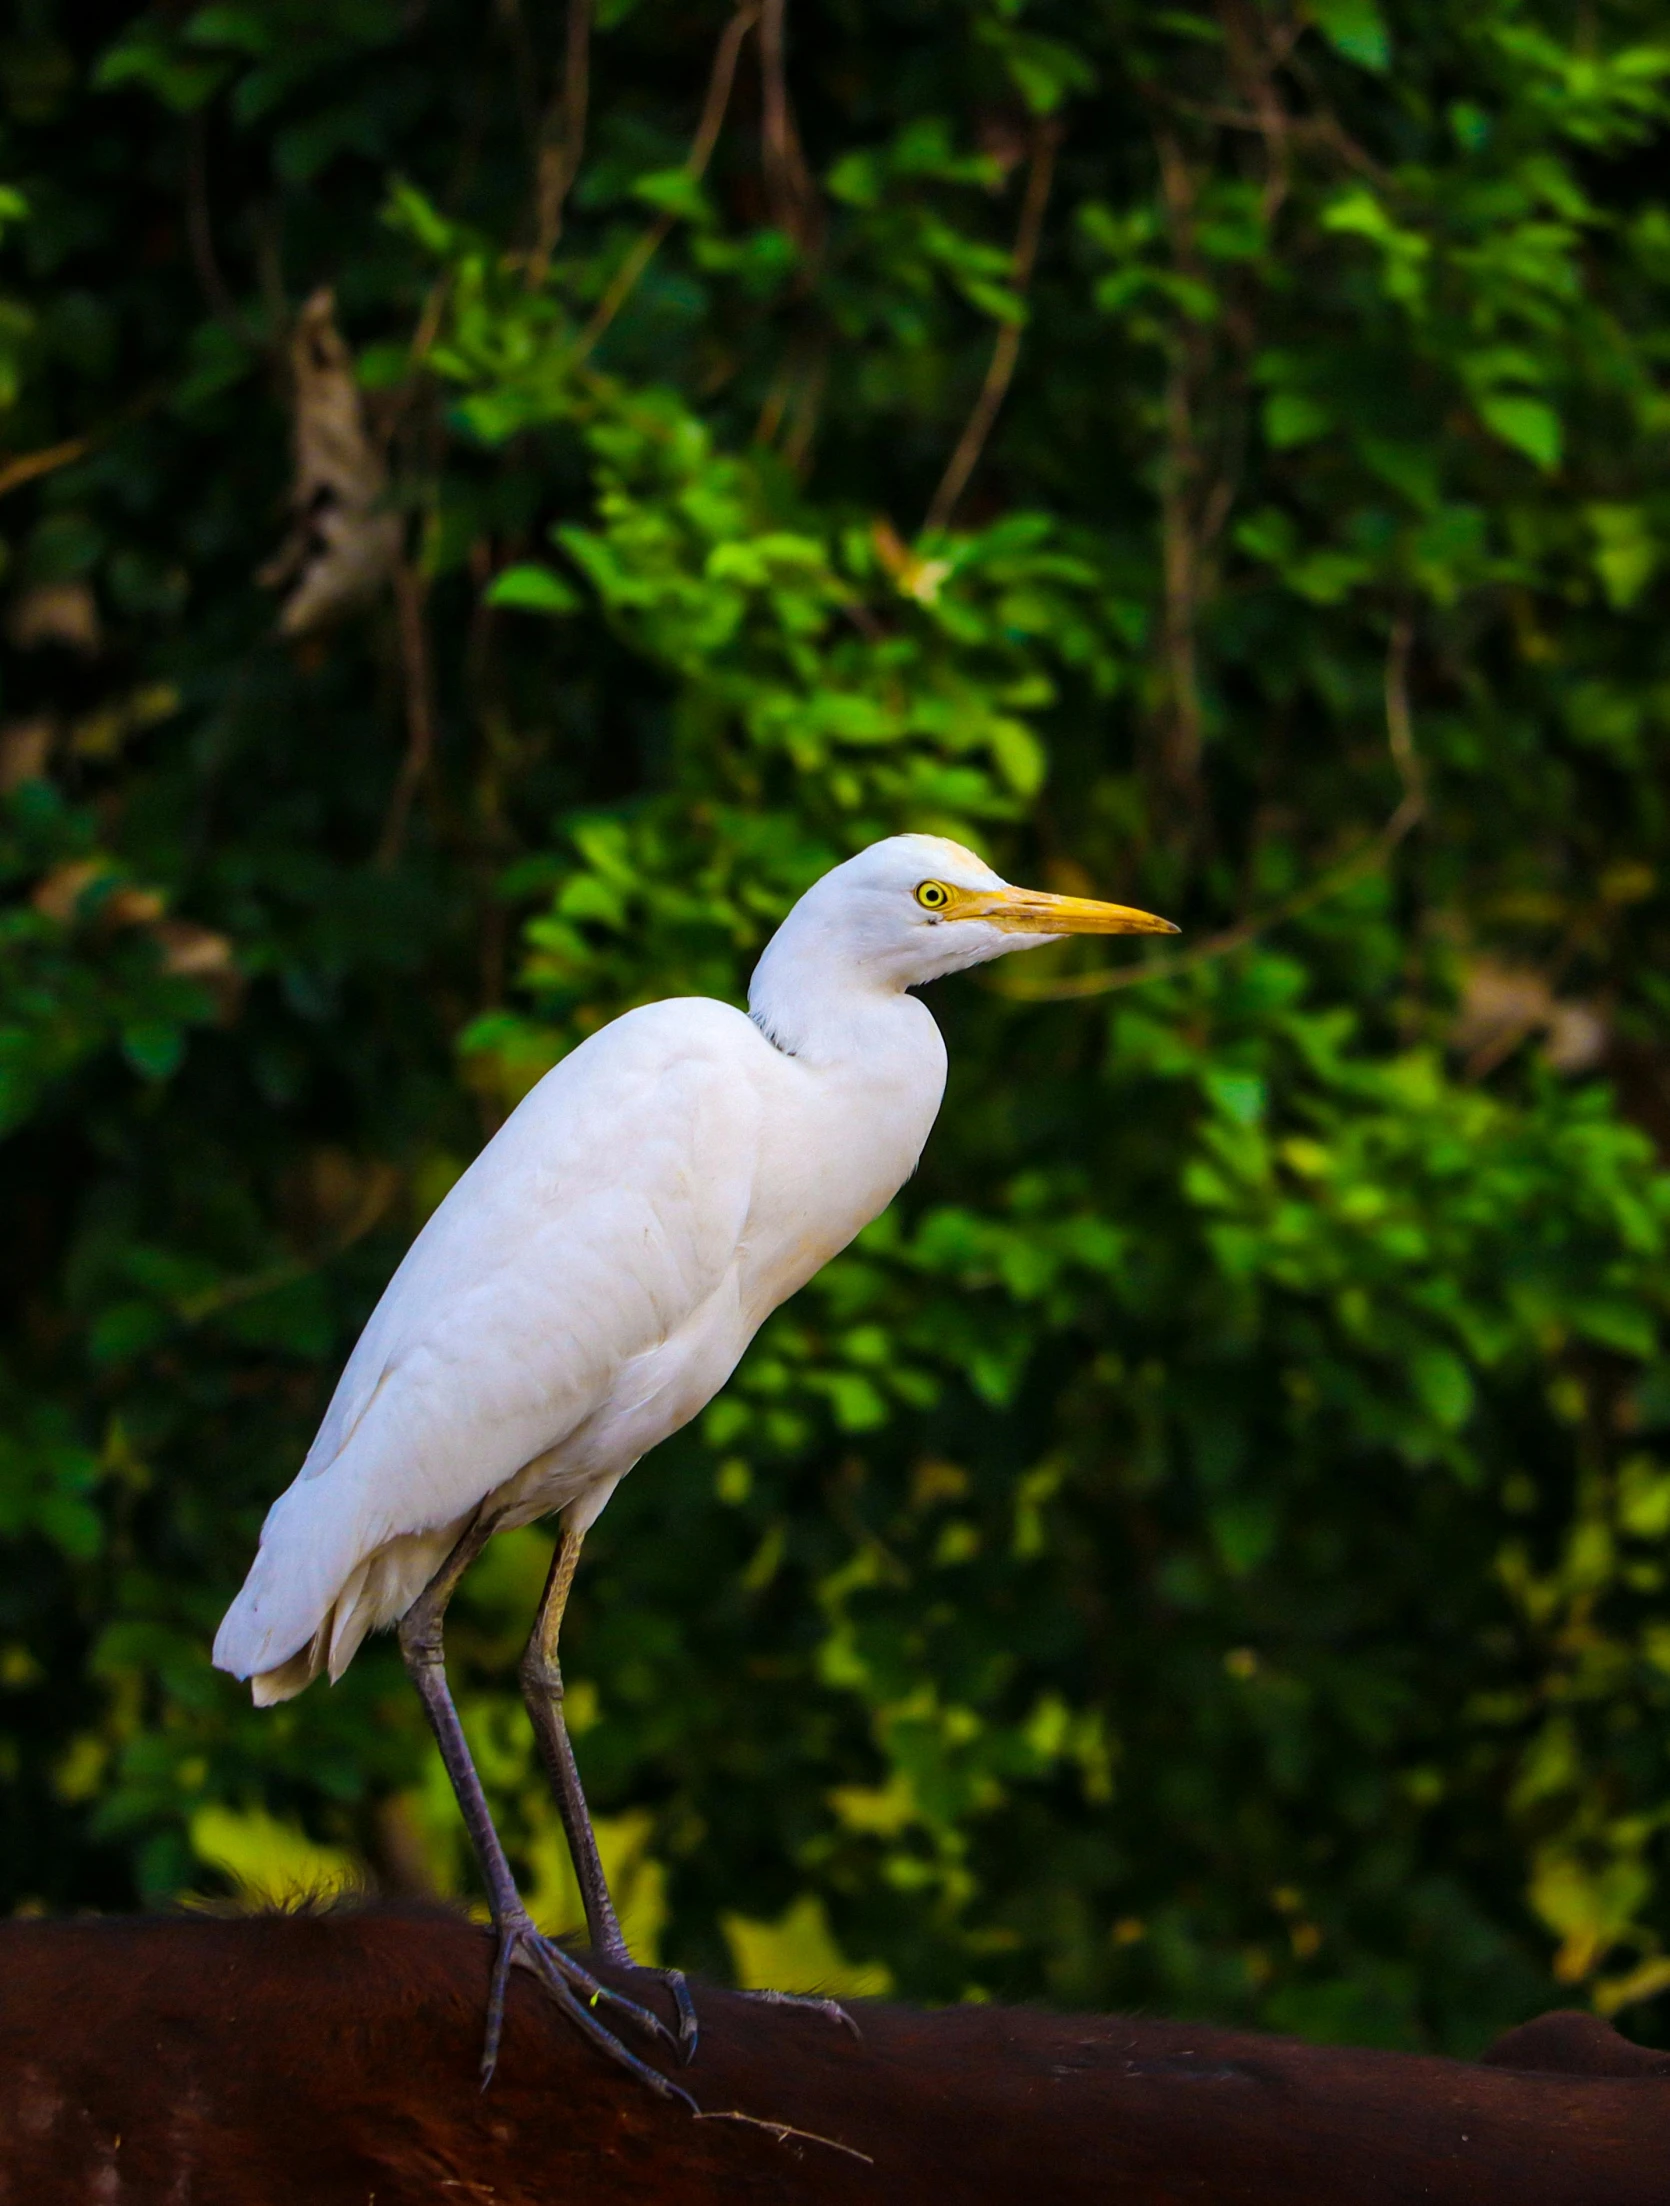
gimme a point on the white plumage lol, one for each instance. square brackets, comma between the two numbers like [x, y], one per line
[592, 1279]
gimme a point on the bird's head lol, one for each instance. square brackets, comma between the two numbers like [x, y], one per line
[914, 907]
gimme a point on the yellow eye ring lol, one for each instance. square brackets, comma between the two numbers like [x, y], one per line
[933, 896]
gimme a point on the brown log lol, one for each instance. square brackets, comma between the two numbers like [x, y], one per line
[331, 2059]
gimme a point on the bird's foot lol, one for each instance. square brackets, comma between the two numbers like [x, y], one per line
[579, 1994]
[830, 2007]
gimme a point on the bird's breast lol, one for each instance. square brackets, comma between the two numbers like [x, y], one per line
[835, 1149]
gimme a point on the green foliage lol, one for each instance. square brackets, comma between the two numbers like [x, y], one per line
[1204, 1547]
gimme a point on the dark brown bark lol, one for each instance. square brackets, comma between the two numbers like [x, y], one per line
[332, 2058]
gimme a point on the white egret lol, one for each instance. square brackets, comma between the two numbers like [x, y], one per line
[586, 1288]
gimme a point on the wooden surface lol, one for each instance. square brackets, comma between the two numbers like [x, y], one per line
[330, 2060]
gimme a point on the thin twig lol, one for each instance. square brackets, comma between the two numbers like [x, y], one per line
[200, 230]
[783, 2131]
[384, 1183]
[1362, 862]
[398, 402]
[28, 465]
[409, 594]
[793, 193]
[1006, 351]
[524, 67]
[638, 259]
[1257, 50]
[1183, 728]
[562, 142]
[1400, 727]
[1180, 571]
[808, 399]
[428, 324]
[1320, 129]
[775, 404]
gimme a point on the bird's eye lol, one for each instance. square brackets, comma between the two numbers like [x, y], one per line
[933, 896]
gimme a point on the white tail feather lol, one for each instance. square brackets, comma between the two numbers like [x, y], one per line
[282, 1650]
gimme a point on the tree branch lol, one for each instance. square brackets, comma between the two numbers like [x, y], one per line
[27, 466]
[795, 205]
[200, 230]
[562, 143]
[968, 2103]
[410, 591]
[1183, 725]
[1039, 176]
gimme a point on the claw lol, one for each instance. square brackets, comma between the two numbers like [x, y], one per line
[578, 1993]
[502, 1959]
[689, 2029]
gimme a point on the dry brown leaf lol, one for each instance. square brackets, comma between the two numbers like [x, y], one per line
[25, 749]
[186, 949]
[132, 907]
[194, 952]
[1498, 1000]
[57, 894]
[1578, 1037]
[1504, 1005]
[344, 542]
[198, 953]
[64, 613]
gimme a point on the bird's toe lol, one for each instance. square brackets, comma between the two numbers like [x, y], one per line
[831, 2008]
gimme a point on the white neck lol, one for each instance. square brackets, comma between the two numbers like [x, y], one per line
[854, 1093]
[811, 1007]
[810, 1000]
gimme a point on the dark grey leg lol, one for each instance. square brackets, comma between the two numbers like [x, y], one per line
[542, 1691]
[574, 1988]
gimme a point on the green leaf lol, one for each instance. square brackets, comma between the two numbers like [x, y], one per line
[1019, 755]
[1241, 1096]
[1626, 552]
[154, 1047]
[1356, 29]
[1291, 418]
[184, 83]
[676, 192]
[532, 589]
[1243, 1531]
[1530, 425]
[1443, 1386]
[1616, 1323]
[1043, 70]
[411, 210]
[127, 1329]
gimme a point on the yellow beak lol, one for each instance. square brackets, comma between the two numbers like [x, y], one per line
[1033, 911]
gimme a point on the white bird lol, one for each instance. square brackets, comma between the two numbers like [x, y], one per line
[590, 1283]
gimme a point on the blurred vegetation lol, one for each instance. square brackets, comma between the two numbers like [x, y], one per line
[495, 501]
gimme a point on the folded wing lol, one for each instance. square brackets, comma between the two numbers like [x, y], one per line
[607, 1210]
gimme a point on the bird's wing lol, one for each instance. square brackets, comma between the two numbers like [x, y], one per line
[601, 1217]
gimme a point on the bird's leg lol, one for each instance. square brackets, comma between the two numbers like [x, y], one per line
[574, 1988]
[542, 1690]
